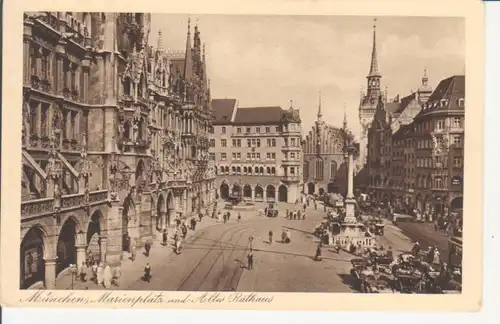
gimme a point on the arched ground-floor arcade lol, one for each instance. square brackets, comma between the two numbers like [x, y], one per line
[270, 191]
[51, 246]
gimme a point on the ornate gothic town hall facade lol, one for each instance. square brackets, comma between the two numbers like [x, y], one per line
[324, 168]
[115, 138]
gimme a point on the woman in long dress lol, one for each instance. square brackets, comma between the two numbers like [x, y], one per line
[100, 274]
[436, 257]
[108, 277]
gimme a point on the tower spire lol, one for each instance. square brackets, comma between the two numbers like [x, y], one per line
[374, 61]
[320, 114]
[425, 79]
[188, 61]
[159, 46]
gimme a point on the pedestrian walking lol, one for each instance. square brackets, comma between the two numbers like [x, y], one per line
[164, 237]
[315, 205]
[147, 248]
[83, 272]
[147, 272]
[287, 214]
[250, 260]
[178, 246]
[90, 258]
[94, 272]
[107, 277]
[117, 276]
[270, 237]
[318, 256]
[416, 249]
[239, 217]
[184, 230]
[436, 258]
[133, 251]
[100, 274]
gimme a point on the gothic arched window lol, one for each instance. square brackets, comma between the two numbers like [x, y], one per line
[319, 169]
[333, 170]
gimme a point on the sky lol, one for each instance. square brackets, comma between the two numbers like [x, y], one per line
[272, 60]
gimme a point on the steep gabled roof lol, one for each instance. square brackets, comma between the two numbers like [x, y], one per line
[258, 115]
[222, 110]
[452, 90]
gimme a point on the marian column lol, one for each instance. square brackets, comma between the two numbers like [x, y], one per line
[349, 201]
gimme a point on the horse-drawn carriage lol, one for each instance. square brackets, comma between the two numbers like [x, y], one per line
[376, 226]
[272, 211]
[368, 281]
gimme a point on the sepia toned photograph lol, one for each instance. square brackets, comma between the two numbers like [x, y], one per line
[226, 153]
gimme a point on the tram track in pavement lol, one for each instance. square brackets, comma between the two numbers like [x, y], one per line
[426, 236]
[188, 280]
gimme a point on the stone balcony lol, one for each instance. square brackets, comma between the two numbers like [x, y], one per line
[291, 178]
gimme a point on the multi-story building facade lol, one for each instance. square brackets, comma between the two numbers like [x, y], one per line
[398, 114]
[104, 119]
[379, 160]
[324, 168]
[257, 151]
[438, 134]
[427, 153]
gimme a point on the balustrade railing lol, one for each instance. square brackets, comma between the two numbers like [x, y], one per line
[37, 207]
[47, 206]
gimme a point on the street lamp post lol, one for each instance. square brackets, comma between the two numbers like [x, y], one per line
[73, 270]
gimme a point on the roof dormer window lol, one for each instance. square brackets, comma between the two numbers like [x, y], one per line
[444, 103]
[461, 102]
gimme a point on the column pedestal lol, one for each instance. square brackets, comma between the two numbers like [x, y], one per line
[80, 257]
[50, 273]
[102, 248]
[114, 234]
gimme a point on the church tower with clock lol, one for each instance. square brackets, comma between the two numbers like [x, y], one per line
[369, 100]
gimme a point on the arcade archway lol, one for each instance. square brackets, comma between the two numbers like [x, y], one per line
[170, 208]
[311, 189]
[247, 191]
[93, 235]
[66, 245]
[32, 251]
[282, 193]
[457, 203]
[236, 190]
[259, 193]
[271, 192]
[127, 212]
[160, 212]
[224, 191]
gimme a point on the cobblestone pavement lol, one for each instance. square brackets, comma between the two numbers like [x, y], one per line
[213, 258]
[132, 270]
[427, 236]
